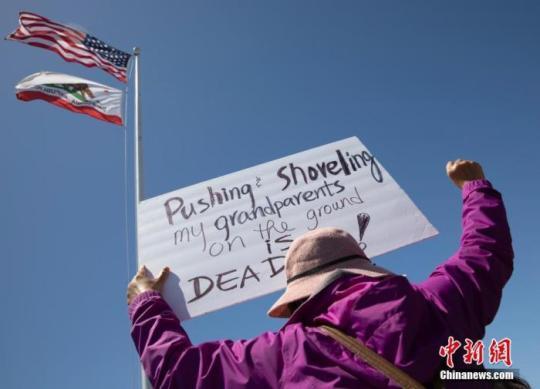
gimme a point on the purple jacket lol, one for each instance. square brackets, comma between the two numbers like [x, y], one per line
[403, 322]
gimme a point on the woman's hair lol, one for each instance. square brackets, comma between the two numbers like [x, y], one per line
[516, 383]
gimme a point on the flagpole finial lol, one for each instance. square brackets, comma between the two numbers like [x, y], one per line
[136, 50]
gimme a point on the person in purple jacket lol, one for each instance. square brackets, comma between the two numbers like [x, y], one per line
[330, 281]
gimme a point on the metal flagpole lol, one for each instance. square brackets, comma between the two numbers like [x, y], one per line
[139, 195]
[138, 146]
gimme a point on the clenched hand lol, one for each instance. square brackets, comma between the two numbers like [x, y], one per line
[460, 171]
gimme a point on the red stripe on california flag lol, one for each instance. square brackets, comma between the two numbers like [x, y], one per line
[34, 95]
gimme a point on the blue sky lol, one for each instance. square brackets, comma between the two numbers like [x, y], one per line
[225, 86]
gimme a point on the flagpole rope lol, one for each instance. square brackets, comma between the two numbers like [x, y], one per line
[126, 221]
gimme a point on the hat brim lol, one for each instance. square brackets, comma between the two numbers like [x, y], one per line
[307, 286]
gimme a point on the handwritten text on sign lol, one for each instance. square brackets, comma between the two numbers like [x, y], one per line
[225, 239]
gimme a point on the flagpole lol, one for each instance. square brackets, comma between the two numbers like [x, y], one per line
[138, 155]
[138, 144]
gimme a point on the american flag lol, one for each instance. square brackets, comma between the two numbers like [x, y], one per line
[70, 44]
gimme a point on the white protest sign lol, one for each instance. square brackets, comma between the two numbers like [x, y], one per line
[225, 239]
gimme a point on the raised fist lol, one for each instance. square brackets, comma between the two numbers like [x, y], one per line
[460, 171]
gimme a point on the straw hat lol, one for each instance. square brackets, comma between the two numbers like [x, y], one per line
[317, 258]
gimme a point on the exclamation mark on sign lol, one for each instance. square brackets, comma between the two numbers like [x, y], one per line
[363, 221]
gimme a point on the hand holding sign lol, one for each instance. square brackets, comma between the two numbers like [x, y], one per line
[144, 282]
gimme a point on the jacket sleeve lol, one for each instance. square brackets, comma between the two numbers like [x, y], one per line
[467, 288]
[171, 361]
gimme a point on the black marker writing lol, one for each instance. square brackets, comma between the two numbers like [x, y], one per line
[345, 165]
[315, 214]
[363, 221]
[178, 206]
[225, 281]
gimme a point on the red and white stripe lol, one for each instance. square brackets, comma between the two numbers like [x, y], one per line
[38, 31]
[36, 95]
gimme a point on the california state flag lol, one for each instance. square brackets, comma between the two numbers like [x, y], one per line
[73, 93]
